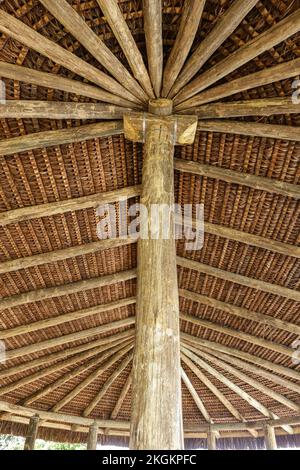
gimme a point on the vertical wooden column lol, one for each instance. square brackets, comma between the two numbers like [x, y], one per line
[92, 436]
[211, 440]
[156, 415]
[270, 437]
[32, 432]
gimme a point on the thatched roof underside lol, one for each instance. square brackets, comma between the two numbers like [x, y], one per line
[98, 165]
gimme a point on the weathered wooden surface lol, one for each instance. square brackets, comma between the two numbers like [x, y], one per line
[157, 424]
[92, 436]
[32, 432]
[211, 440]
[270, 437]
[152, 10]
[195, 396]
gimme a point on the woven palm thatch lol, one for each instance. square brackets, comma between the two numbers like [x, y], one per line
[246, 372]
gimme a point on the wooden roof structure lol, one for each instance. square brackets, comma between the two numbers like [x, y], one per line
[72, 70]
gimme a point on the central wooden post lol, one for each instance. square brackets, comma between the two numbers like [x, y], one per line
[156, 421]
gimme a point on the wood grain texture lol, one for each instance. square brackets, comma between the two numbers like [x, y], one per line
[152, 10]
[261, 43]
[92, 439]
[270, 437]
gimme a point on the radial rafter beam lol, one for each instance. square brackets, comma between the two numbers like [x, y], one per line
[228, 22]
[66, 289]
[281, 370]
[51, 80]
[191, 16]
[60, 110]
[153, 31]
[123, 34]
[261, 43]
[260, 107]
[279, 348]
[59, 137]
[65, 353]
[76, 25]
[122, 397]
[250, 381]
[118, 371]
[71, 337]
[239, 279]
[195, 396]
[260, 183]
[68, 205]
[241, 312]
[263, 77]
[29, 37]
[91, 378]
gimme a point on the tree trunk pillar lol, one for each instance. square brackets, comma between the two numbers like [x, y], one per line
[270, 437]
[92, 437]
[32, 432]
[211, 440]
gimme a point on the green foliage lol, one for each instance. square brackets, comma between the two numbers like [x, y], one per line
[8, 442]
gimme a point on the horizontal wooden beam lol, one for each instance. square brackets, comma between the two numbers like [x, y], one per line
[59, 137]
[66, 317]
[239, 279]
[75, 24]
[272, 346]
[274, 35]
[66, 289]
[274, 367]
[61, 110]
[241, 312]
[260, 107]
[68, 205]
[273, 74]
[245, 179]
[226, 24]
[78, 335]
[19, 31]
[56, 82]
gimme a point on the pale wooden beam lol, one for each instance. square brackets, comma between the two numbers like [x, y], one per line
[59, 137]
[195, 396]
[263, 77]
[19, 31]
[278, 380]
[75, 24]
[122, 397]
[66, 289]
[122, 366]
[108, 341]
[91, 377]
[152, 10]
[60, 110]
[191, 16]
[211, 440]
[123, 34]
[250, 381]
[51, 80]
[92, 436]
[99, 359]
[67, 317]
[260, 107]
[261, 43]
[68, 205]
[241, 312]
[207, 382]
[282, 370]
[64, 253]
[270, 437]
[227, 23]
[279, 348]
[61, 364]
[50, 343]
[32, 432]
[260, 183]
[239, 279]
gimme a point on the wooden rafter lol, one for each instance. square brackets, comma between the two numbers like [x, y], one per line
[123, 34]
[36, 41]
[195, 396]
[191, 16]
[239, 279]
[76, 25]
[241, 312]
[51, 80]
[261, 43]
[228, 22]
[122, 397]
[118, 371]
[153, 31]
